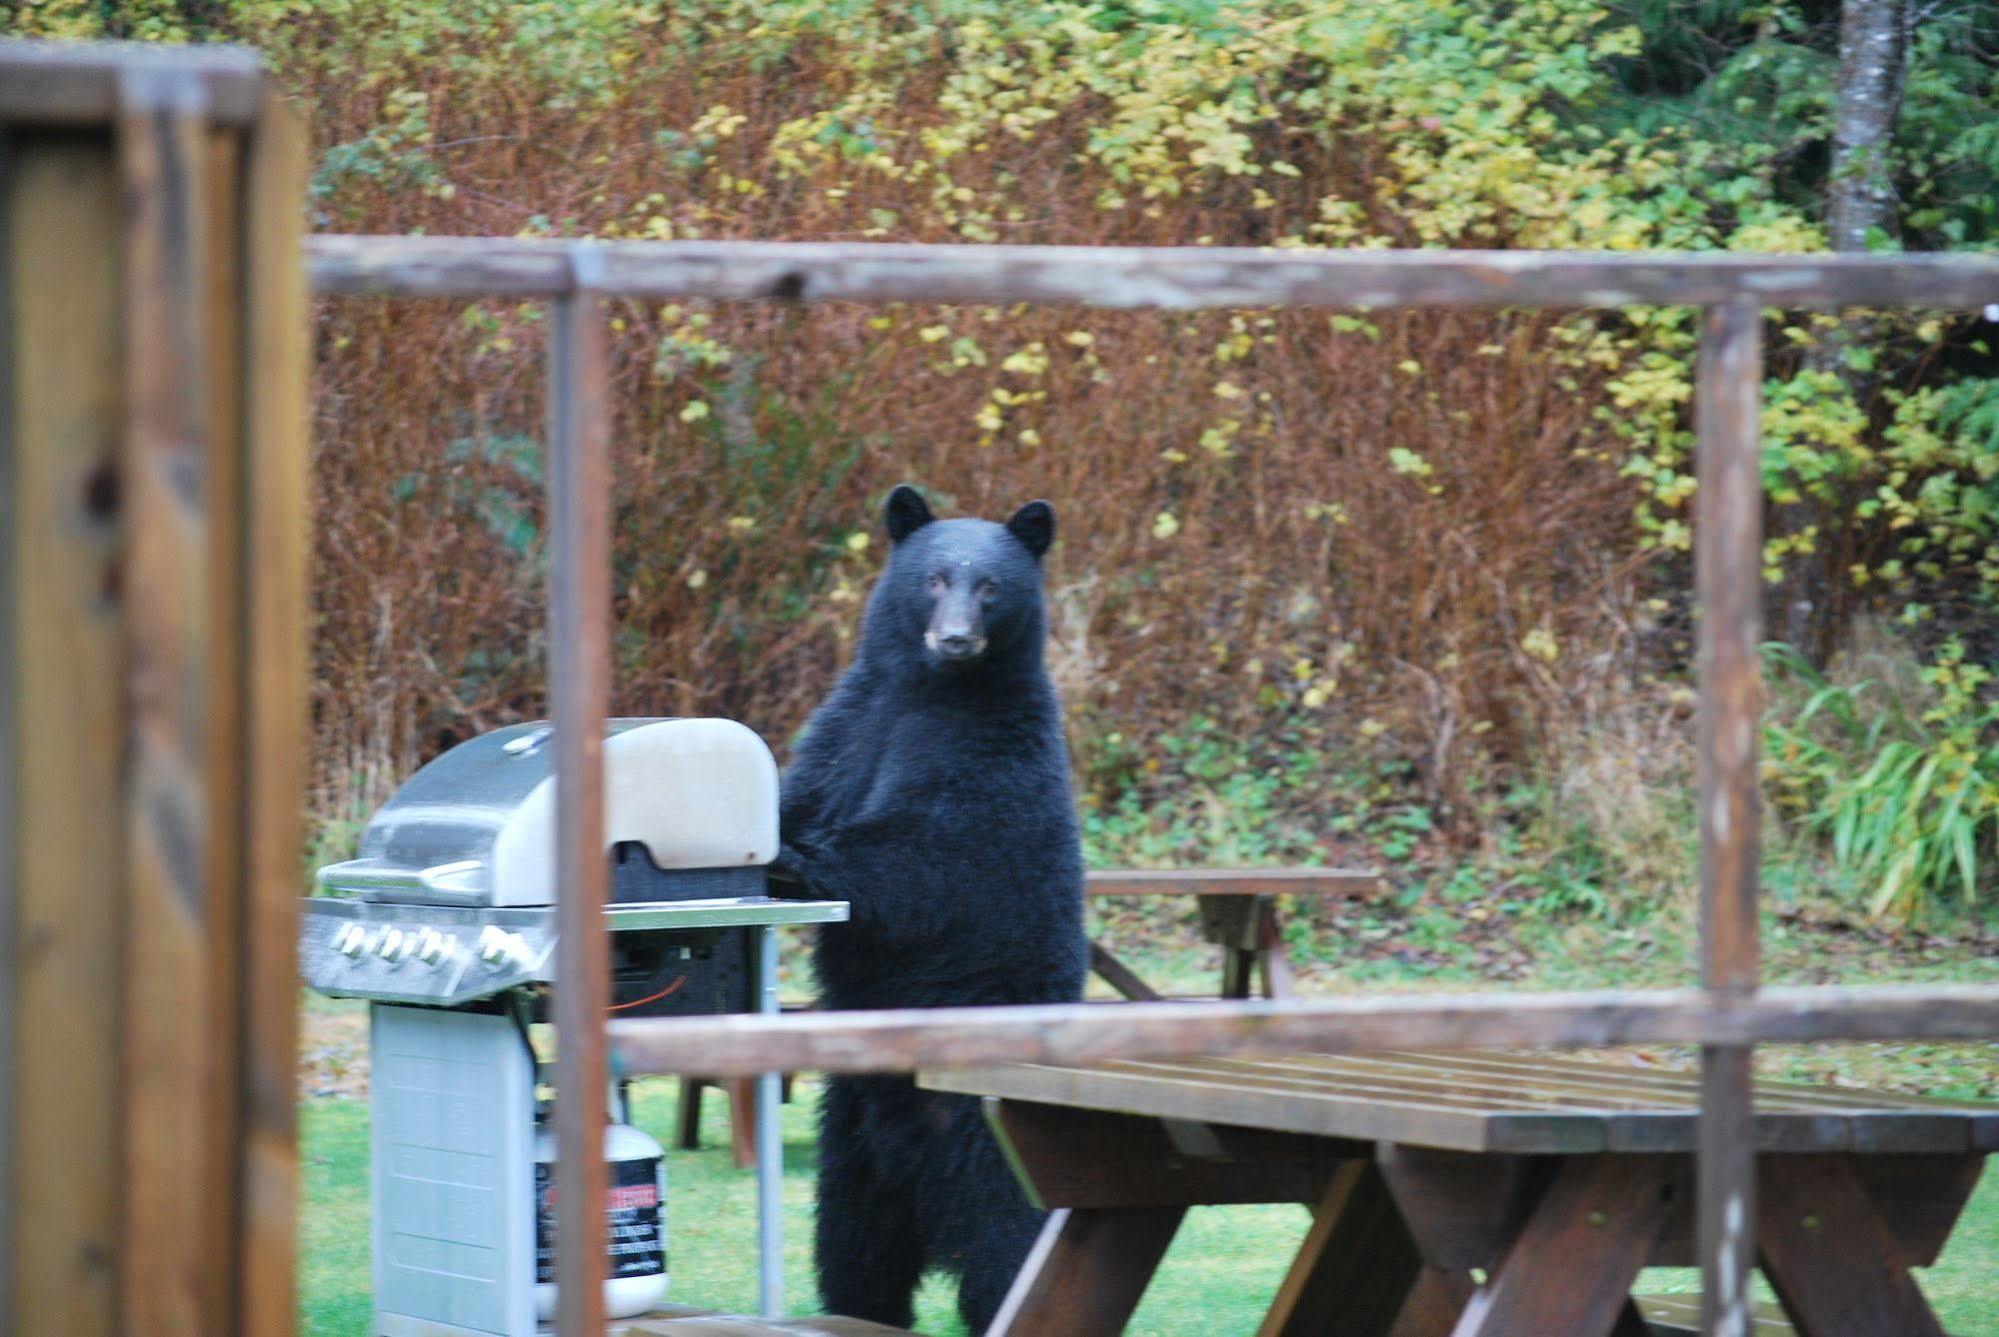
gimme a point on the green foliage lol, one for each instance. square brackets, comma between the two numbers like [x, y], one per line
[1939, 493]
[1947, 138]
[393, 156]
[1905, 793]
[506, 495]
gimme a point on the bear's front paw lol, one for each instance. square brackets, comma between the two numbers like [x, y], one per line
[785, 875]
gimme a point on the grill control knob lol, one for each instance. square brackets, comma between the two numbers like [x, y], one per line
[432, 947]
[351, 940]
[396, 945]
[494, 948]
[501, 950]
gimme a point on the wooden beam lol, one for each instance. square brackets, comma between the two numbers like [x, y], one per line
[1357, 1267]
[1087, 1271]
[901, 1041]
[579, 657]
[62, 889]
[1070, 1157]
[1132, 276]
[1830, 1258]
[226, 707]
[1571, 1267]
[1728, 559]
[77, 83]
[1435, 1302]
[1728, 563]
[1464, 1208]
[277, 463]
[10, 728]
[1121, 976]
[165, 1218]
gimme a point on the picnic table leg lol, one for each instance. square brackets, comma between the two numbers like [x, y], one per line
[1829, 1256]
[1439, 1298]
[1086, 1272]
[1355, 1271]
[1231, 922]
[1272, 959]
[1434, 1303]
[1570, 1268]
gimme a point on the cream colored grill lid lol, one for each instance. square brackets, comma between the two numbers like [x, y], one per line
[476, 826]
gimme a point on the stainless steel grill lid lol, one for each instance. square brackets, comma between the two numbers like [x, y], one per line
[476, 827]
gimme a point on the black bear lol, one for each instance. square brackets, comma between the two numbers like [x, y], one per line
[931, 790]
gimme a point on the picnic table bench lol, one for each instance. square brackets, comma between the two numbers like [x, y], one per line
[1469, 1194]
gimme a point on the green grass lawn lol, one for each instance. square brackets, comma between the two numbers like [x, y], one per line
[1216, 1281]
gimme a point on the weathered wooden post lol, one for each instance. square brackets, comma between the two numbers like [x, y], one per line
[152, 675]
[1728, 562]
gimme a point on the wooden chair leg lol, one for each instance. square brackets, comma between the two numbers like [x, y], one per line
[1086, 1272]
[1829, 1256]
[743, 1121]
[687, 1120]
[1571, 1267]
[1355, 1271]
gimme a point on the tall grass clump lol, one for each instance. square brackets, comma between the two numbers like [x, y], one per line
[1894, 766]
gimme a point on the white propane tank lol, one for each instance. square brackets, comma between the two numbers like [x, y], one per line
[634, 1222]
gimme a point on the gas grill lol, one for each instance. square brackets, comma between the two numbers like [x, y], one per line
[446, 924]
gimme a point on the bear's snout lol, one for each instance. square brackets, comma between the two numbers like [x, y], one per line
[954, 646]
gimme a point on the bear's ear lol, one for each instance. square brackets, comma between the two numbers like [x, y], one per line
[906, 513]
[1034, 525]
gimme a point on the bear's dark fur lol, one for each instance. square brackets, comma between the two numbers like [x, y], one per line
[931, 790]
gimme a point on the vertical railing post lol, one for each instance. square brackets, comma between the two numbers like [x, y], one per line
[579, 663]
[1728, 562]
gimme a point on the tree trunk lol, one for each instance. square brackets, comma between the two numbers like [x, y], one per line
[1860, 199]
[1873, 58]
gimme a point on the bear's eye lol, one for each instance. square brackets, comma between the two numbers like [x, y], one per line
[984, 589]
[935, 584]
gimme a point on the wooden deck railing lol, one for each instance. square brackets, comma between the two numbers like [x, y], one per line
[1727, 1016]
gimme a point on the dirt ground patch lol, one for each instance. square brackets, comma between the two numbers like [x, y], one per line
[332, 1048]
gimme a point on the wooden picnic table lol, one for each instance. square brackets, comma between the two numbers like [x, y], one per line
[1552, 1179]
[1238, 908]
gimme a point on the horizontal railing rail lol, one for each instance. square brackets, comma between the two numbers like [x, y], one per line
[1075, 1033]
[1182, 277]
[1726, 1017]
